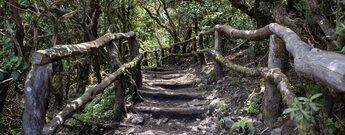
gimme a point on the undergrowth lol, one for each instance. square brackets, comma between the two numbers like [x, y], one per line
[100, 107]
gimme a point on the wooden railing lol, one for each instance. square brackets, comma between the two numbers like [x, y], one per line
[38, 81]
[323, 67]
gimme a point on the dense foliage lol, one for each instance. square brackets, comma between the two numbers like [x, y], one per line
[30, 25]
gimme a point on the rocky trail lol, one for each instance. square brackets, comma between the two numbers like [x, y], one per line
[174, 103]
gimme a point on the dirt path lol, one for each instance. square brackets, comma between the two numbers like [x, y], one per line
[173, 104]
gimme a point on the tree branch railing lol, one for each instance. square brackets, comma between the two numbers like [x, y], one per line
[323, 67]
[38, 81]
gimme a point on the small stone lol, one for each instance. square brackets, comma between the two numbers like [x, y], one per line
[162, 121]
[214, 129]
[212, 96]
[214, 103]
[276, 131]
[203, 132]
[131, 130]
[219, 81]
[195, 129]
[195, 102]
[259, 117]
[205, 121]
[117, 132]
[228, 122]
[137, 120]
[201, 127]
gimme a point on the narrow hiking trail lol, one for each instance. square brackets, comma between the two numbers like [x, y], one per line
[174, 103]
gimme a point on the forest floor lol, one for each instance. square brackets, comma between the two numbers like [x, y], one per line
[190, 101]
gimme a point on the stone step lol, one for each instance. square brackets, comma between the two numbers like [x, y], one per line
[172, 85]
[157, 69]
[171, 94]
[163, 76]
[161, 72]
[172, 111]
[189, 89]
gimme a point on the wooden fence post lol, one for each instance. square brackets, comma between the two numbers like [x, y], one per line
[37, 88]
[157, 59]
[145, 62]
[134, 48]
[218, 47]
[170, 58]
[119, 107]
[277, 58]
[162, 56]
[201, 46]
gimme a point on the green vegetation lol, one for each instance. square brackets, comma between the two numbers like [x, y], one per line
[10, 63]
[30, 25]
[253, 104]
[100, 107]
[243, 126]
[304, 111]
[333, 126]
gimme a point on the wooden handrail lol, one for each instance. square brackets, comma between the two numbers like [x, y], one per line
[80, 102]
[61, 51]
[38, 81]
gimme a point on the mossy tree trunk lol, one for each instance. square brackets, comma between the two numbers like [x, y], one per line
[277, 58]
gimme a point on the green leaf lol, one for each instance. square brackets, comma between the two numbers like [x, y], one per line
[23, 66]
[14, 59]
[315, 96]
[314, 107]
[305, 114]
[303, 99]
[15, 74]
[289, 110]
[343, 50]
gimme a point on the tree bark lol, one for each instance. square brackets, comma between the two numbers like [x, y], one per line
[119, 107]
[218, 70]
[61, 51]
[320, 18]
[277, 58]
[134, 48]
[157, 58]
[201, 46]
[37, 87]
[19, 37]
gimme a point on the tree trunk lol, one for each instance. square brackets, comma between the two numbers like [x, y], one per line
[134, 48]
[157, 58]
[201, 46]
[37, 87]
[120, 85]
[218, 70]
[277, 58]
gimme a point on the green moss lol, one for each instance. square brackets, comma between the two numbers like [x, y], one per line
[100, 107]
